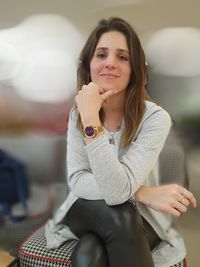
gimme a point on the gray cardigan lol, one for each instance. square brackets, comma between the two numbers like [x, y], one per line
[100, 170]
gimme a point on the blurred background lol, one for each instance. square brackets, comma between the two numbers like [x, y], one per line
[40, 43]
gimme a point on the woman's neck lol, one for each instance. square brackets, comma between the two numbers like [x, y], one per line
[113, 114]
[115, 103]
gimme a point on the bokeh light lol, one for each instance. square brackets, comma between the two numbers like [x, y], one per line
[39, 58]
[175, 51]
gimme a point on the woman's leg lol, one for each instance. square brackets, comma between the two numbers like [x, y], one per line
[89, 252]
[120, 227]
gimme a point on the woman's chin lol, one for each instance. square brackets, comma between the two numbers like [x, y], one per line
[107, 88]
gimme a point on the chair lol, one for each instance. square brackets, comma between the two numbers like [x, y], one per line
[33, 253]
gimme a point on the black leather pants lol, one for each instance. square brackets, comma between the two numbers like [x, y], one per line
[110, 236]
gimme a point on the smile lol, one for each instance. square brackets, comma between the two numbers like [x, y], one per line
[109, 75]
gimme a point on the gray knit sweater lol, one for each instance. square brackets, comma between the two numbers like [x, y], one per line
[100, 170]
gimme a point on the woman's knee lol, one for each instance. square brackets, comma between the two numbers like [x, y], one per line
[89, 252]
[126, 221]
[109, 222]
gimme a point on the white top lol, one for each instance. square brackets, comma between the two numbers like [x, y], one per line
[100, 170]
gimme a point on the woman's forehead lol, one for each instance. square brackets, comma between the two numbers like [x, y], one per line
[113, 39]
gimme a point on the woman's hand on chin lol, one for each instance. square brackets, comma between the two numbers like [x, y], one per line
[89, 101]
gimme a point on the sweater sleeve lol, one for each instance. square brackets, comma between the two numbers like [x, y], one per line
[119, 179]
[80, 177]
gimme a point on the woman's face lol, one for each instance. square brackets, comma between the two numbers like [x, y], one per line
[110, 65]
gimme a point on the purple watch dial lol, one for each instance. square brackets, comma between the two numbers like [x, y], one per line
[89, 131]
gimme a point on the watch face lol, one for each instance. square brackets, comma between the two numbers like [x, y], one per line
[89, 131]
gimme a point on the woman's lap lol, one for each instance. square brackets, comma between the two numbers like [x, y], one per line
[120, 227]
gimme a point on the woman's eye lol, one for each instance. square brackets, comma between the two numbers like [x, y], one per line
[101, 55]
[123, 58]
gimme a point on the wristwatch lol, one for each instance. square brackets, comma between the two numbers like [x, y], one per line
[92, 131]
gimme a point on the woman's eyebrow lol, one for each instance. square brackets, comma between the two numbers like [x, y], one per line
[106, 48]
[123, 50]
[101, 48]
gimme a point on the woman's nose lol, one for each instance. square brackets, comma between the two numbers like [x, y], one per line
[110, 62]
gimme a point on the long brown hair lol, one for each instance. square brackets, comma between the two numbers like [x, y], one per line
[135, 94]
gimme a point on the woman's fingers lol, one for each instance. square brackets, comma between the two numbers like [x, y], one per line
[191, 198]
[107, 94]
[188, 197]
[184, 201]
[175, 212]
[180, 207]
[181, 198]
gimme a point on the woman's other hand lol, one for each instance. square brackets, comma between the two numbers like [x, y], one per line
[173, 199]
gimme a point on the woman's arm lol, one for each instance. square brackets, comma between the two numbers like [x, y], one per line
[96, 172]
[79, 175]
[119, 178]
[171, 198]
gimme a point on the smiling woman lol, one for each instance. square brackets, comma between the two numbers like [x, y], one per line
[110, 65]
[109, 208]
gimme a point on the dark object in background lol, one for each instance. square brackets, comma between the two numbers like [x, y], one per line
[14, 187]
[190, 128]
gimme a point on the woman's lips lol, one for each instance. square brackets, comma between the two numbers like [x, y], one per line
[109, 75]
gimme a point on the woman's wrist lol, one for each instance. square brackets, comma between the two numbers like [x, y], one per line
[141, 194]
[92, 128]
[90, 120]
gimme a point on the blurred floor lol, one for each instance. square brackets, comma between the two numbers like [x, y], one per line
[189, 223]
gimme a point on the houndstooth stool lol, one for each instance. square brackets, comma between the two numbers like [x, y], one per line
[33, 253]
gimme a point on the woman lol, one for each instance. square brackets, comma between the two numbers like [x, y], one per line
[115, 135]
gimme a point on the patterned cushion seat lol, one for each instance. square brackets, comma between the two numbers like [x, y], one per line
[33, 253]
